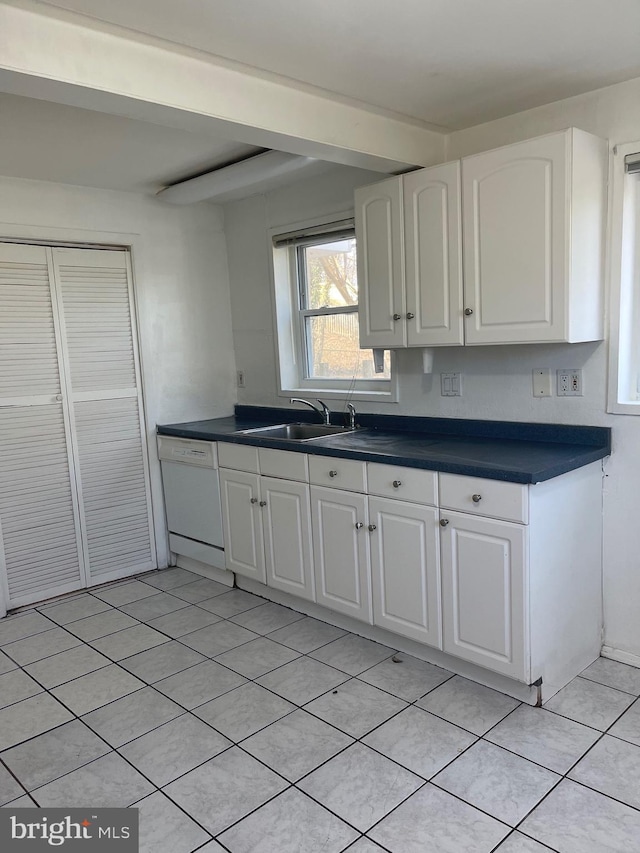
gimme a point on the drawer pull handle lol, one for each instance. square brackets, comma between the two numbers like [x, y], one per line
[254, 500]
[397, 484]
[263, 503]
[476, 498]
[444, 522]
[372, 527]
[359, 525]
[333, 473]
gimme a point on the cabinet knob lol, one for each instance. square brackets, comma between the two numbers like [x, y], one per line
[468, 311]
[476, 498]
[444, 522]
[410, 316]
[359, 525]
[372, 527]
[397, 484]
[263, 503]
[254, 500]
[397, 316]
[333, 473]
[58, 398]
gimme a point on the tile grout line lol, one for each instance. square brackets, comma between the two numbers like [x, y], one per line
[358, 740]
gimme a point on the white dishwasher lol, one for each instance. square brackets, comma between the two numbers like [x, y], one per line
[192, 498]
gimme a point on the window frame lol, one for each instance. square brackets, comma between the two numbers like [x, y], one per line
[292, 358]
[624, 292]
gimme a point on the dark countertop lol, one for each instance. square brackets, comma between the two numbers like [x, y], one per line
[498, 450]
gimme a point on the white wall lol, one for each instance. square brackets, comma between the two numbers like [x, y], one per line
[496, 380]
[246, 226]
[181, 285]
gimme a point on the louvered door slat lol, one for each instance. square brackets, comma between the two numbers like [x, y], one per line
[98, 323]
[110, 507]
[28, 362]
[36, 505]
[39, 542]
[95, 296]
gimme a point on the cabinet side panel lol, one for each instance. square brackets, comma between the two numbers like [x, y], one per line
[588, 207]
[565, 575]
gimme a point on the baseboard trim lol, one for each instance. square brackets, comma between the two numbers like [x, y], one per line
[621, 656]
[211, 572]
[520, 691]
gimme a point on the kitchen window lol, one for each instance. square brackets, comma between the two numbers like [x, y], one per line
[624, 362]
[316, 287]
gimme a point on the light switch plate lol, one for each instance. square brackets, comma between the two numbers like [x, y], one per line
[451, 384]
[541, 382]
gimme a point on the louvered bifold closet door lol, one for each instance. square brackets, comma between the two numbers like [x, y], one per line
[40, 546]
[94, 292]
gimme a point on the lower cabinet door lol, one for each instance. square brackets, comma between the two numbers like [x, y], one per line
[340, 549]
[405, 574]
[242, 523]
[287, 536]
[484, 591]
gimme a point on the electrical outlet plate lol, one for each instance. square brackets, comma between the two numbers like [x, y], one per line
[451, 384]
[541, 382]
[569, 382]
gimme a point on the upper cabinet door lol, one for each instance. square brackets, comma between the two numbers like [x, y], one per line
[433, 252]
[516, 207]
[379, 235]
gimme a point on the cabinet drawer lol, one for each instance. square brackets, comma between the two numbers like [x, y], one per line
[346, 474]
[283, 464]
[407, 484]
[240, 457]
[493, 498]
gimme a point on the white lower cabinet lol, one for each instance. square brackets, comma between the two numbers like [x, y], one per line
[340, 545]
[287, 536]
[404, 569]
[267, 530]
[484, 591]
[242, 523]
[502, 575]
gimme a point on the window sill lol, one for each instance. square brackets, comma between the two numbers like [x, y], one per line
[324, 394]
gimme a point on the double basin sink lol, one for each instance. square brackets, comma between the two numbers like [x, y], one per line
[297, 431]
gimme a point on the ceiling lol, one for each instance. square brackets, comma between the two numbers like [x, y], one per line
[449, 63]
[52, 142]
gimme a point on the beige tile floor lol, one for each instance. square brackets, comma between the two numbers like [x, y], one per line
[235, 724]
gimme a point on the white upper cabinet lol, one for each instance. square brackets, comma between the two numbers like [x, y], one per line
[533, 235]
[379, 240]
[433, 256]
[528, 220]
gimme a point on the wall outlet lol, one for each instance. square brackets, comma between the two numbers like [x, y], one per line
[569, 382]
[542, 382]
[240, 378]
[451, 384]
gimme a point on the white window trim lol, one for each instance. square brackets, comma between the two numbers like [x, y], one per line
[624, 304]
[287, 328]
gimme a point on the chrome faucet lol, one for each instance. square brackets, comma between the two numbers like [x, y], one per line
[322, 409]
[352, 415]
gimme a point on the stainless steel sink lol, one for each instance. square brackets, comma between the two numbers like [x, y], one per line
[296, 432]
